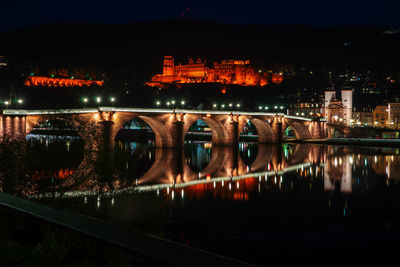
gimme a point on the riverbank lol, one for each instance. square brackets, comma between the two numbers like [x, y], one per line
[351, 142]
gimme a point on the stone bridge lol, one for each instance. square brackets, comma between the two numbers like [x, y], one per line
[169, 125]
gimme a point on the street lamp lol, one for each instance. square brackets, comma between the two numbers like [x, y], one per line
[6, 103]
[260, 107]
[214, 105]
[85, 101]
[20, 101]
[98, 100]
[112, 99]
[238, 105]
[158, 103]
[182, 103]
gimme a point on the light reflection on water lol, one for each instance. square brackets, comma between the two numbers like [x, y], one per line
[204, 193]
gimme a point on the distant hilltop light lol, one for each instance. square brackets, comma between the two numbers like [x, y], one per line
[392, 31]
[230, 71]
[3, 62]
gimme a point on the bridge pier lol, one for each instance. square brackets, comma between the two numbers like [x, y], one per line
[277, 129]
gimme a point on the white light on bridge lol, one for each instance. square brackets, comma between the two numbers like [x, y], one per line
[20, 101]
[182, 102]
[275, 107]
[173, 102]
[266, 108]
[238, 105]
[230, 104]
[158, 103]
[98, 99]
[215, 105]
[260, 107]
[6, 103]
[112, 99]
[85, 100]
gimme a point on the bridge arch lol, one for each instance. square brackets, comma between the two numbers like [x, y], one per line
[264, 130]
[300, 130]
[219, 133]
[162, 134]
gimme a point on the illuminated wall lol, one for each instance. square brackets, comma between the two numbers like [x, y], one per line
[59, 82]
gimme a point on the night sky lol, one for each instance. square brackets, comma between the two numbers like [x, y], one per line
[19, 13]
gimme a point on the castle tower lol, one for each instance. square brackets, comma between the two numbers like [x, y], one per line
[168, 68]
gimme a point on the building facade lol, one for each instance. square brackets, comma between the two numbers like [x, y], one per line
[380, 116]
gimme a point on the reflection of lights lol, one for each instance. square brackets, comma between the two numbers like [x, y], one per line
[230, 187]
[214, 184]
[167, 190]
[112, 201]
[222, 182]
[183, 193]
[351, 160]
[376, 159]
[173, 194]
[275, 180]
[158, 192]
[335, 162]
[237, 185]
[85, 200]
[340, 161]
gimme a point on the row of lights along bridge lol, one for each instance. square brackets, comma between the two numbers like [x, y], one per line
[98, 100]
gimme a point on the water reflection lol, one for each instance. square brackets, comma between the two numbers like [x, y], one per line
[56, 166]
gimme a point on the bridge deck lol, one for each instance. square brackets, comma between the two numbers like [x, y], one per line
[24, 112]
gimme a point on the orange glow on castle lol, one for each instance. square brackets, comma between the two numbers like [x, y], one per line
[61, 82]
[226, 72]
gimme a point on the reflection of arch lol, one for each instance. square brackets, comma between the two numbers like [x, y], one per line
[224, 162]
[264, 156]
[169, 167]
[300, 130]
[300, 154]
[162, 135]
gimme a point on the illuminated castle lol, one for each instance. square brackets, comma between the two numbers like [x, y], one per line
[227, 72]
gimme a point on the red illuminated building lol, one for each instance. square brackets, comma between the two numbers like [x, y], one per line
[226, 72]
